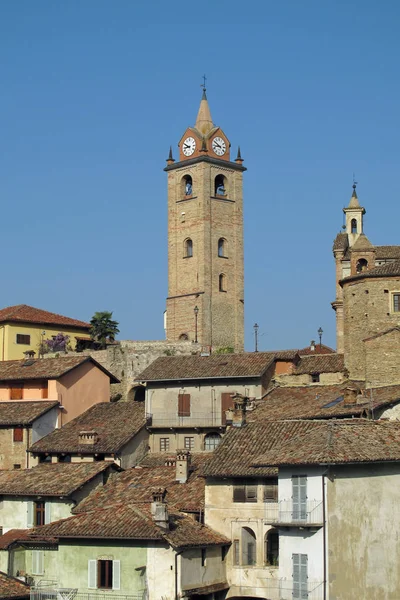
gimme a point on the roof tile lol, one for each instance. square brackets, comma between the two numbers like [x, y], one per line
[22, 313]
[12, 588]
[24, 413]
[45, 368]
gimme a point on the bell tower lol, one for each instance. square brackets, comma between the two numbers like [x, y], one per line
[205, 238]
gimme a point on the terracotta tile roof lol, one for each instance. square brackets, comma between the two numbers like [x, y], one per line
[387, 252]
[12, 588]
[20, 536]
[159, 459]
[242, 445]
[135, 486]
[56, 479]
[216, 366]
[341, 241]
[320, 402]
[319, 349]
[22, 313]
[23, 413]
[128, 521]
[391, 269]
[45, 368]
[115, 423]
[320, 363]
[337, 442]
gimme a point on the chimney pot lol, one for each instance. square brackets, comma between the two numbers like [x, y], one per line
[159, 508]
[183, 460]
[88, 437]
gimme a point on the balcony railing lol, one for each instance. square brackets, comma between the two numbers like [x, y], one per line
[286, 512]
[48, 592]
[286, 589]
[196, 419]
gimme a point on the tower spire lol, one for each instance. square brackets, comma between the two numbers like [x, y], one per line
[204, 122]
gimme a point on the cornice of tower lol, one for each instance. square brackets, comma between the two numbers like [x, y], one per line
[207, 159]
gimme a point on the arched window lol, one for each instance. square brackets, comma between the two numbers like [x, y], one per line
[220, 185]
[221, 247]
[187, 185]
[137, 394]
[354, 226]
[184, 337]
[249, 555]
[188, 249]
[222, 283]
[271, 543]
[211, 441]
[362, 265]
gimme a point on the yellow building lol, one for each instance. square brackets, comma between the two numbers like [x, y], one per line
[24, 328]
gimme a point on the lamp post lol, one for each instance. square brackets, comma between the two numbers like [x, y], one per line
[196, 314]
[255, 327]
[320, 332]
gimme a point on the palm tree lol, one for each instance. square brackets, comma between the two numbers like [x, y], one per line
[103, 328]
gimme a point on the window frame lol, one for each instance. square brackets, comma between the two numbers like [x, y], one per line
[270, 485]
[18, 434]
[215, 438]
[271, 549]
[164, 441]
[23, 339]
[395, 302]
[188, 442]
[222, 287]
[105, 571]
[188, 248]
[39, 513]
[315, 377]
[245, 492]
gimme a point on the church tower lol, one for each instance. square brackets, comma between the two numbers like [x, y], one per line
[205, 238]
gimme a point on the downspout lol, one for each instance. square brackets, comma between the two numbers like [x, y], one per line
[324, 535]
[176, 574]
[27, 446]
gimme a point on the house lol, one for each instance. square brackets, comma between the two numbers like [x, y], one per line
[106, 431]
[22, 423]
[187, 396]
[24, 328]
[322, 369]
[12, 588]
[47, 492]
[76, 382]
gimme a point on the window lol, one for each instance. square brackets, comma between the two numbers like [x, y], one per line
[246, 492]
[396, 302]
[16, 467]
[16, 391]
[188, 249]
[272, 548]
[64, 458]
[362, 265]
[37, 562]
[299, 496]
[220, 186]
[39, 513]
[249, 557]
[164, 444]
[23, 339]
[104, 574]
[221, 247]
[354, 226]
[211, 441]
[271, 490]
[189, 443]
[203, 557]
[314, 377]
[18, 434]
[187, 183]
[222, 283]
[236, 555]
[45, 458]
[300, 575]
[184, 405]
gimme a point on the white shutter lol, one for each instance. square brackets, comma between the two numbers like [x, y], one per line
[30, 514]
[92, 574]
[116, 583]
[37, 562]
[47, 512]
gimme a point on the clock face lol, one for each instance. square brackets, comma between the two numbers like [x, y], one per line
[219, 146]
[189, 146]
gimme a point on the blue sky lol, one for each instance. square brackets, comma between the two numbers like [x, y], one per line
[93, 94]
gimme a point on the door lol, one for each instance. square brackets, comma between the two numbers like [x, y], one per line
[299, 497]
[226, 403]
[16, 391]
[300, 576]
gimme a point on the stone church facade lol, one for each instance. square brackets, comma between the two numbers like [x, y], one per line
[205, 238]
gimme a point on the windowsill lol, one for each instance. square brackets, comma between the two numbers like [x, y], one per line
[223, 198]
[187, 256]
[223, 291]
[223, 256]
[185, 198]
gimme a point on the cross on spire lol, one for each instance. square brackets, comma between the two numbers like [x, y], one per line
[203, 85]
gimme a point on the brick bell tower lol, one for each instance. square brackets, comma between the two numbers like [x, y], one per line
[205, 238]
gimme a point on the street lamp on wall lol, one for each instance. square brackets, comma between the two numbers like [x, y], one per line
[255, 327]
[196, 314]
[320, 332]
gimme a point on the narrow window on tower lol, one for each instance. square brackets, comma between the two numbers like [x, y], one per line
[354, 226]
[222, 248]
[220, 186]
[188, 249]
[187, 185]
[222, 283]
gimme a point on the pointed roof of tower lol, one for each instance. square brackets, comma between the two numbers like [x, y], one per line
[354, 203]
[362, 243]
[204, 122]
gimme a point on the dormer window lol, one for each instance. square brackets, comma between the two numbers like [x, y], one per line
[354, 226]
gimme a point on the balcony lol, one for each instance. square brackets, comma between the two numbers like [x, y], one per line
[288, 514]
[57, 593]
[280, 589]
[196, 419]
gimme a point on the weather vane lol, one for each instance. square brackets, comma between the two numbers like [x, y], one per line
[354, 181]
[203, 85]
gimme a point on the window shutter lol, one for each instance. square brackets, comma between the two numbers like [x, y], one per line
[251, 493]
[239, 493]
[184, 405]
[47, 512]
[116, 583]
[271, 491]
[34, 562]
[226, 403]
[92, 574]
[37, 562]
[236, 552]
[30, 514]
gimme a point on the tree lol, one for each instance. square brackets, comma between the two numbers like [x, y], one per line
[103, 328]
[58, 343]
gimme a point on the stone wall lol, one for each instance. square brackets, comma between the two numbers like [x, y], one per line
[382, 359]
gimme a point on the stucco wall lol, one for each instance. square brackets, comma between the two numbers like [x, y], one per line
[135, 449]
[14, 351]
[14, 511]
[364, 512]
[13, 453]
[305, 379]
[44, 425]
[193, 574]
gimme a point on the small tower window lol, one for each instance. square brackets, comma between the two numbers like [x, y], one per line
[272, 548]
[220, 186]
[221, 247]
[354, 226]
[187, 184]
[362, 265]
[188, 248]
[222, 283]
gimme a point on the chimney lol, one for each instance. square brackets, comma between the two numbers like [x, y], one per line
[159, 508]
[183, 460]
[237, 414]
[350, 395]
[88, 437]
[169, 462]
[312, 345]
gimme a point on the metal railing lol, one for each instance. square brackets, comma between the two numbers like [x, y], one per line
[43, 591]
[195, 419]
[288, 512]
[291, 590]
